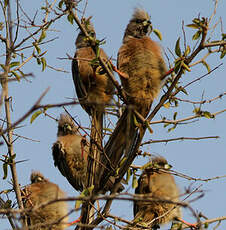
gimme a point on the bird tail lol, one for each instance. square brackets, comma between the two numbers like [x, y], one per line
[96, 137]
[118, 144]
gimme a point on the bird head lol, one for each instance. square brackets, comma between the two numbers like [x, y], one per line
[82, 40]
[37, 177]
[66, 125]
[139, 25]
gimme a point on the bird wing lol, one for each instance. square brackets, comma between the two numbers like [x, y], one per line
[79, 86]
[59, 158]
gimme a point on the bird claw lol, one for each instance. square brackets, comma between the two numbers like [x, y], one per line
[121, 74]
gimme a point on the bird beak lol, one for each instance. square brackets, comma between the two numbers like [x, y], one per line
[148, 25]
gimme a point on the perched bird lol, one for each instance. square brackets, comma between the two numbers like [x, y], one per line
[70, 153]
[159, 185]
[141, 67]
[94, 90]
[40, 191]
[93, 87]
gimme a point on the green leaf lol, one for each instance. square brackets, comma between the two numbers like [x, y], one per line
[128, 175]
[78, 203]
[223, 53]
[166, 124]
[38, 61]
[14, 63]
[194, 26]
[158, 34]
[207, 114]
[206, 65]
[70, 18]
[134, 182]
[16, 75]
[187, 51]
[1, 26]
[60, 4]
[177, 66]
[223, 36]
[196, 111]
[35, 115]
[36, 47]
[175, 116]
[5, 170]
[183, 90]
[196, 35]
[42, 36]
[172, 128]
[6, 3]
[186, 66]
[206, 225]
[43, 61]
[177, 48]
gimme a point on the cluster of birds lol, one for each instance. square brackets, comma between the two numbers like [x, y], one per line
[141, 69]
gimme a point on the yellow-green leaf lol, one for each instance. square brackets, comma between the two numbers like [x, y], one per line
[134, 182]
[187, 51]
[6, 3]
[60, 4]
[177, 66]
[175, 116]
[36, 47]
[16, 75]
[183, 90]
[177, 48]
[128, 175]
[43, 61]
[196, 110]
[186, 66]
[70, 18]
[158, 34]
[5, 170]
[223, 53]
[196, 35]
[167, 105]
[207, 114]
[78, 203]
[194, 26]
[42, 36]
[35, 115]
[206, 65]
[223, 36]
[1, 26]
[14, 63]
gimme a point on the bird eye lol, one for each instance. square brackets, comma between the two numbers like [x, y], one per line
[67, 127]
[139, 21]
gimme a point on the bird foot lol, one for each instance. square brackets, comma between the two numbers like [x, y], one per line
[75, 221]
[121, 74]
[192, 226]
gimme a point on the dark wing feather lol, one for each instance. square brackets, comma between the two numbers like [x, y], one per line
[79, 86]
[74, 169]
[59, 158]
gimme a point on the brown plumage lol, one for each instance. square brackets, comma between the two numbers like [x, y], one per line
[142, 66]
[140, 59]
[70, 153]
[93, 87]
[94, 90]
[156, 184]
[39, 192]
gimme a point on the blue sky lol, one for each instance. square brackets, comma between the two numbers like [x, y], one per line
[200, 159]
